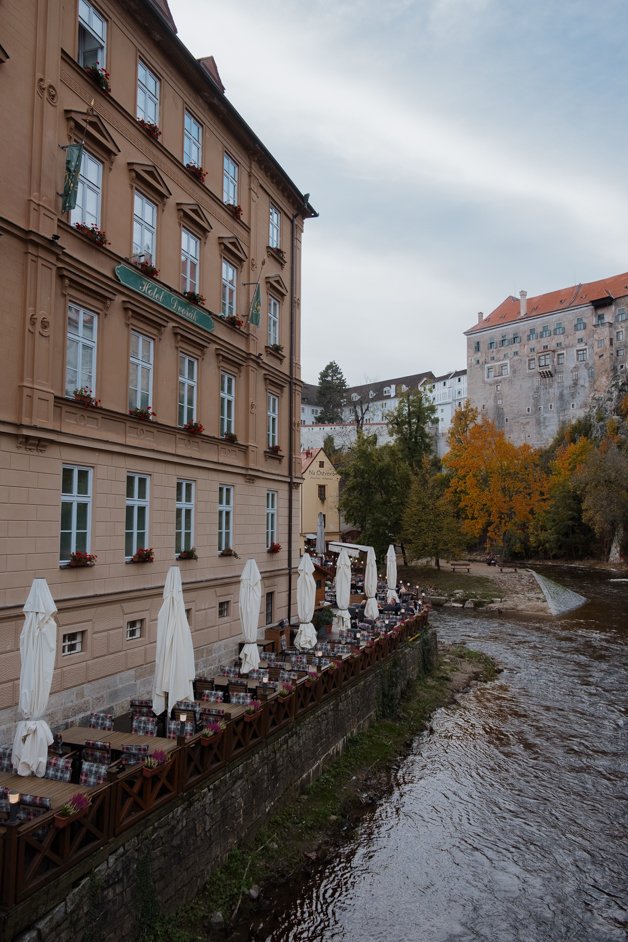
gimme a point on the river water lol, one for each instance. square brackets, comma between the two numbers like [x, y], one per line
[508, 822]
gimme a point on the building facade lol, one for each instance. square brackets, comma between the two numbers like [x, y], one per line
[143, 413]
[320, 493]
[536, 363]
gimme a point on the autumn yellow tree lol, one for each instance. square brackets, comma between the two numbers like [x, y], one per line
[496, 486]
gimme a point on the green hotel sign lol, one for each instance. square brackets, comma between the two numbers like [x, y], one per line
[136, 281]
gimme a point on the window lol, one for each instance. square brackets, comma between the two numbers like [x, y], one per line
[92, 36]
[88, 193]
[532, 333]
[134, 629]
[321, 464]
[490, 372]
[227, 404]
[144, 228]
[580, 324]
[228, 296]
[559, 329]
[503, 341]
[147, 94]
[600, 342]
[619, 335]
[230, 181]
[192, 141]
[190, 252]
[322, 491]
[546, 332]
[476, 346]
[274, 227]
[76, 511]
[581, 355]
[622, 315]
[560, 359]
[80, 367]
[225, 517]
[141, 371]
[599, 320]
[516, 338]
[272, 413]
[224, 609]
[273, 320]
[136, 523]
[492, 345]
[72, 643]
[271, 517]
[188, 371]
[184, 538]
[544, 361]
[269, 606]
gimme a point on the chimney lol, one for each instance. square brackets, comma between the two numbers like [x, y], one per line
[480, 317]
[523, 310]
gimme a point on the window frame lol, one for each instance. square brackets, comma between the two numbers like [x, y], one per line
[86, 187]
[225, 516]
[272, 501]
[76, 499]
[274, 307]
[143, 398]
[227, 403]
[582, 355]
[192, 147]
[230, 173]
[228, 288]
[135, 504]
[83, 344]
[274, 227]
[87, 27]
[185, 504]
[151, 115]
[190, 263]
[143, 226]
[272, 419]
[187, 389]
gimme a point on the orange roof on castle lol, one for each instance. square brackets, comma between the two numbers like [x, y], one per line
[554, 301]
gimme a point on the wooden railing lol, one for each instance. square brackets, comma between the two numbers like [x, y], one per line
[36, 853]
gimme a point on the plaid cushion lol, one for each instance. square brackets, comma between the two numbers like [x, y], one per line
[142, 707]
[186, 705]
[213, 696]
[144, 725]
[132, 753]
[240, 698]
[96, 751]
[31, 806]
[210, 714]
[101, 720]
[230, 671]
[255, 674]
[6, 764]
[287, 675]
[92, 773]
[59, 768]
[4, 792]
[174, 728]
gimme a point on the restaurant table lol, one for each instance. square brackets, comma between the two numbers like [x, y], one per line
[76, 736]
[58, 792]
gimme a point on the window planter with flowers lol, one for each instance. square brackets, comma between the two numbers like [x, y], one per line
[83, 397]
[230, 437]
[151, 129]
[74, 808]
[144, 415]
[93, 233]
[99, 76]
[194, 428]
[235, 210]
[81, 560]
[212, 731]
[147, 268]
[188, 553]
[274, 548]
[197, 172]
[274, 450]
[252, 710]
[154, 762]
[234, 321]
[144, 554]
[285, 690]
[229, 552]
[276, 348]
[194, 297]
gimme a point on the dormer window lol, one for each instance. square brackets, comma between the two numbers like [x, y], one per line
[92, 36]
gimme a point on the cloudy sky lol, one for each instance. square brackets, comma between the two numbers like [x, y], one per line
[457, 152]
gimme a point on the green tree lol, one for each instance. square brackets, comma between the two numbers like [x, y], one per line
[375, 486]
[430, 527]
[335, 455]
[331, 393]
[603, 484]
[410, 425]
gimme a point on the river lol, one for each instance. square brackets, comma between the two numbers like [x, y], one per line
[507, 822]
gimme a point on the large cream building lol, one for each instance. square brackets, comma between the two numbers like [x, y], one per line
[174, 195]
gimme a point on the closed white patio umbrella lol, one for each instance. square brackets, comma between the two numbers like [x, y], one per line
[38, 645]
[343, 589]
[174, 661]
[320, 534]
[306, 599]
[391, 576]
[250, 597]
[371, 609]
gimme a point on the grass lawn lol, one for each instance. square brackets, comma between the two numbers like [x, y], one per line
[444, 582]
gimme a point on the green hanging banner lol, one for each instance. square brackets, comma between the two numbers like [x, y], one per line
[73, 159]
[255, 312]
[150, 289]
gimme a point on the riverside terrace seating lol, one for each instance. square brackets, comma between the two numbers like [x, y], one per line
[173, 728]
[93, 773]
[144, 725]
[97, 751]
[100, 720]
[6, 764]
[59, 768]
[212, 696]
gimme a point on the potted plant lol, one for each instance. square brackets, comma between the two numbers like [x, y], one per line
[213, 730]
[188, 554]
[227, 551]
[197, 172]
[84, 397]
[235, 210]
[274, 449]
[147, 268]
[79, 560]
[76, 806]
[194, 297]
[150, 127]
[143, 555]
[153, 762]
[230, 437]
[234, 321]
[100, 76]
[285, 689]
[145, 415]
[276, 347]
[94, 233]
[251, 710]
[194, 428]
[274, 548]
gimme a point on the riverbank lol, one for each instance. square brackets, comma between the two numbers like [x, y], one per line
[311, 826]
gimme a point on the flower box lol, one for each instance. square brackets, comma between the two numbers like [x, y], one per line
[274, 548]
[144, 415]
[187, 554]
[234, 321]
[93, 233]
[154, 763]
[147, 269]
[151, 129]
[143, 555]
[100, 77]
[84, 397]
[74, 808]
[197, 172]
[235, 210]
[229, 552]
[276, 348]
[230, 437]
[194, 428]
[274, 449]
[194, 297]
[81, 560]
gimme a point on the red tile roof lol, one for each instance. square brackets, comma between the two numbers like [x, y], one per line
[554, 301]
[307, 457]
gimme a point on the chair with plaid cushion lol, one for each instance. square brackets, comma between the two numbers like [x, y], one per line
[31, 806]
[240, 698]
[132, 753]
[230, 671]
[142, 707]
[101, 720]
[287, 676]
[92, 773]
[213, 696]
[255, 673]
[210, 714]
[96, 751]
[59, 768]
[189, 707]
[174, 728]
[144, 725]
[6, 763]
